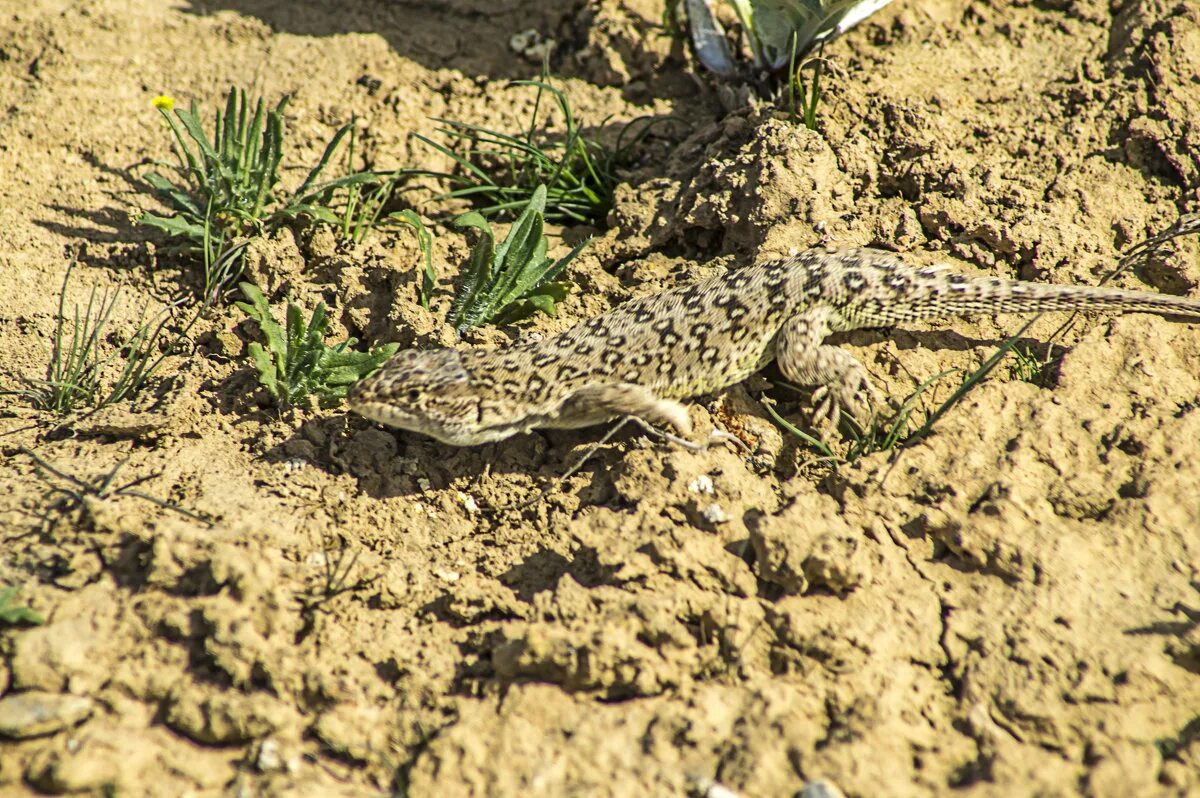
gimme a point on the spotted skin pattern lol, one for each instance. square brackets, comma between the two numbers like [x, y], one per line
[644, 356]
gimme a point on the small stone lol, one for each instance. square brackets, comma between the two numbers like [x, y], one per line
[35, 713]
[715, 514]
[821, 788]
[269, 759]
[468, 502]
[701, 484]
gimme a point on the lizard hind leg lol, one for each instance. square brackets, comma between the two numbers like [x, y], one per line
[841, 380]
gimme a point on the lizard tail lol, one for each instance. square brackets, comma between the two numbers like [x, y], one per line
[950, 294]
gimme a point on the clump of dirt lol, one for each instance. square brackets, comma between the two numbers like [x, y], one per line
[307, 604]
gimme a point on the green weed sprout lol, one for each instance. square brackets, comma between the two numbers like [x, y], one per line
[897, 431]
[425, 242]
[974, 378]
[1027, 366]
[803, 96]
[11, 615]
[227, 186]
[75, 376]
[296, 362]
[354, 203]
[498, 172]
[510, 282]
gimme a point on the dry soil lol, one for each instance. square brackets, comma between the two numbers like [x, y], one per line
[1009, 607]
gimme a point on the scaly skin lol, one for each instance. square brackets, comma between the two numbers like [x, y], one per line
[642, 357]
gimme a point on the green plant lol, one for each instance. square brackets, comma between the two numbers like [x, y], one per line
[804, 96]
[970, 381]
[355, 203]
[226, 187]
[78, 374]
[512, 281]
[297, 362]
[425, 242]
[499, 171]
[1026, 365]
[11, 615]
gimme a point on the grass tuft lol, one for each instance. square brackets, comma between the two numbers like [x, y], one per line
[510, 282]
[226, 187]
[81, 357]
[803, 96]
[296, 361]
[498, 172]
[1026, 366]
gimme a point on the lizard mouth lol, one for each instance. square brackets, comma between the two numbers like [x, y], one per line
[382, 413]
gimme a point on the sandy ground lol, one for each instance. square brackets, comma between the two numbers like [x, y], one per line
[1009, 607]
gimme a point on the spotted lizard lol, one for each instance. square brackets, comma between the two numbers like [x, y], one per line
[641, 358]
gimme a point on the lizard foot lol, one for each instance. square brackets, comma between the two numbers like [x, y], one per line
[850, 389]
[716, 436]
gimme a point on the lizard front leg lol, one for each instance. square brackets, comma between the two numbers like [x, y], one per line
[842, 381]
[601, 402]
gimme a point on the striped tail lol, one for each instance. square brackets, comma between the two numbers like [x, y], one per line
[937, 293]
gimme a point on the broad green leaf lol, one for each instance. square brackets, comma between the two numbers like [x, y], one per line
[266, 368]
[173, 225]
[260, 311]
[478, 272]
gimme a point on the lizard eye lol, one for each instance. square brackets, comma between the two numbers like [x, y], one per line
[413, 395]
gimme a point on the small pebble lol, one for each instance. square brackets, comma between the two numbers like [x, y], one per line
[269, 759]
[468, 501]
[701, 484]
[715, 514]
[445, 575]
[820, 788]
[35, 713]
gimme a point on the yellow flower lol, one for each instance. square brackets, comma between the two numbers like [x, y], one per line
[163, 102]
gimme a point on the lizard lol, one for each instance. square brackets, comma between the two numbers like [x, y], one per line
[640, 359]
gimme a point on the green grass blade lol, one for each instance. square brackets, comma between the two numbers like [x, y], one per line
[474, 170]
[326, 156]
[225, 135]
[815, 443]
[971, 381]
[425, 244]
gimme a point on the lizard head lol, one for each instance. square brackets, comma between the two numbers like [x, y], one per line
[431, 392]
